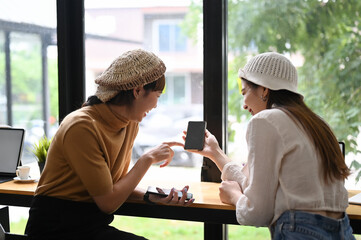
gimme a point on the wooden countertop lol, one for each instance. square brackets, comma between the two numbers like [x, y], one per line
[205, 194]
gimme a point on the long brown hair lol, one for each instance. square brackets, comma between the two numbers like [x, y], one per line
[126, 97]
[333, 162]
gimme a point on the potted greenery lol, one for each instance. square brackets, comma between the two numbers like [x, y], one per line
[40, 150]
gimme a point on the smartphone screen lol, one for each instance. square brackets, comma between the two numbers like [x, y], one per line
[195, 135]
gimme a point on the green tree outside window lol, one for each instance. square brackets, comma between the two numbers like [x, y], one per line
[326, 34]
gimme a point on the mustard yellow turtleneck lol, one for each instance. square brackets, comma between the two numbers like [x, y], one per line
[90, 151]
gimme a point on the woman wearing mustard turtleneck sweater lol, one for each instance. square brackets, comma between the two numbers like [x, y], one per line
[86, 176]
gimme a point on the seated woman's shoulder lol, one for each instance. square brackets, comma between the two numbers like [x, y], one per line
[269, 113]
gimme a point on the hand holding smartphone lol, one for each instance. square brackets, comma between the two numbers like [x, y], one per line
[164, 192]
[195, 135]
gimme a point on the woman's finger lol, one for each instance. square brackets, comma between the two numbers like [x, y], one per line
[172, 144]
[184, 195]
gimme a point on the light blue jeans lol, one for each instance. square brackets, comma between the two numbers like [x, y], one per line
[304, 225]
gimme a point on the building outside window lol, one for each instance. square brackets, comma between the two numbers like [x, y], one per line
[156, 26]
[178, 90]
[170, 36]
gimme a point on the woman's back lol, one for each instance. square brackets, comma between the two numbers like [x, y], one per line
[286, 172]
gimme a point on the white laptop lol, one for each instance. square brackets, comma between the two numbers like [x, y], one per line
[11, 146]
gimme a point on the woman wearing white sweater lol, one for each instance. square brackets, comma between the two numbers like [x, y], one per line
[293, 181]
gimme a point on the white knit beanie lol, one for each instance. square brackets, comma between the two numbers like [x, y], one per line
[271, 70]
[128, 71]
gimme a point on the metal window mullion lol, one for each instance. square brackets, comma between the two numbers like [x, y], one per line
[9, 101]
[71, 55]
[45, 41]
[215, 78]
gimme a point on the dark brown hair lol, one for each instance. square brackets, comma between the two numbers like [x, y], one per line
[333, 162]
[126, 97]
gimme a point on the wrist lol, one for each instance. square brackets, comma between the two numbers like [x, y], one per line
[220, 158]
[235, 199]
[146, 160]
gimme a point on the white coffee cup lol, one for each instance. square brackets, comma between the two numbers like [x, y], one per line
[23, 172]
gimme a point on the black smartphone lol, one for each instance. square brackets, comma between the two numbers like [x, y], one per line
[164, 192]
[195, 135]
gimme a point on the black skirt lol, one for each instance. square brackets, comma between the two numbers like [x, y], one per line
[52, 218]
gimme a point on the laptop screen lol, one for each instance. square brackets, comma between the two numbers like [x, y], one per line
[11, 143]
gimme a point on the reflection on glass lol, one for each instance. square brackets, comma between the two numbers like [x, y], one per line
[113, 27]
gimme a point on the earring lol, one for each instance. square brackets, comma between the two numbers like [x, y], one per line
[264, 98]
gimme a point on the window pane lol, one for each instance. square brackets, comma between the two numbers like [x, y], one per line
[170, 36]
[3, 100]
[164, 38]
[179, 89]
[154, 26]
[324, 46]
[322, 39]
[180, 39]
[25, 51]
[28, 31]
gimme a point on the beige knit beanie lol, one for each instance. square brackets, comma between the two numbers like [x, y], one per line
[271, 70]
[130, 70]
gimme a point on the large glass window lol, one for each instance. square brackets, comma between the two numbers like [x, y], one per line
[113, 27]
[3, 100]
[28, 70]
[28, 77]
[322, 39]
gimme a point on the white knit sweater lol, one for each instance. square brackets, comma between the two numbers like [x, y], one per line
[284, 172]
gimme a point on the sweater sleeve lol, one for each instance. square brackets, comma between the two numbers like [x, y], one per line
[234, 172]
[265, 147]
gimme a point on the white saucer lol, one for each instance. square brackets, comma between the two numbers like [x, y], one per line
[17, 179]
